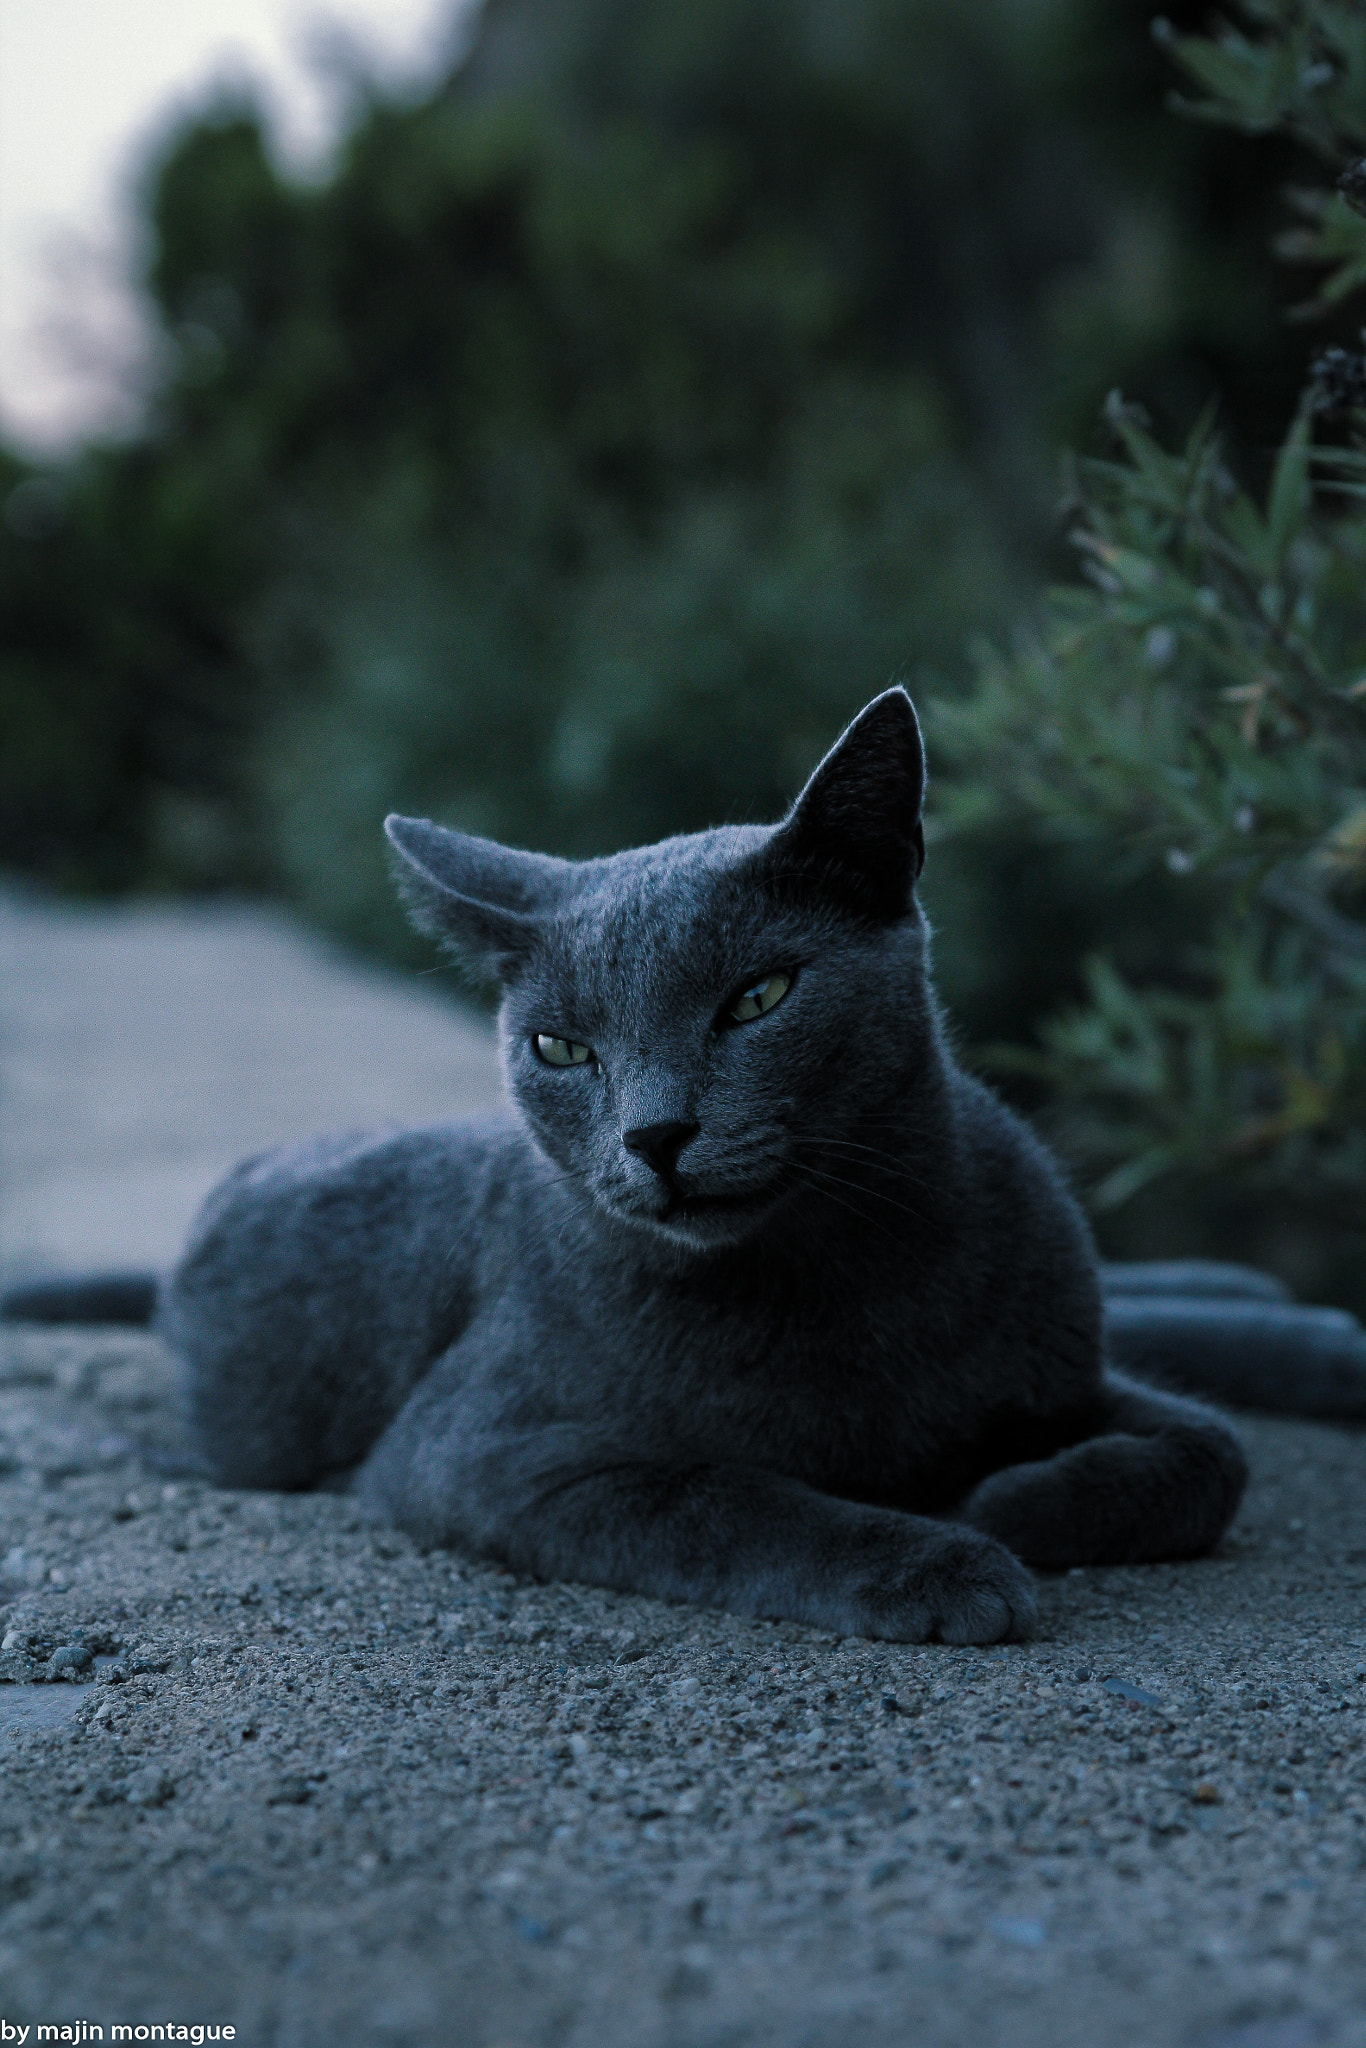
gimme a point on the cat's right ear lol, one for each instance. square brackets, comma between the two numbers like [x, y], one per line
[484, 902]
[856, 830]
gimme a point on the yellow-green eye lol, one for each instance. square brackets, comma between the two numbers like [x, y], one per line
[562, 1052]
[759, 1000]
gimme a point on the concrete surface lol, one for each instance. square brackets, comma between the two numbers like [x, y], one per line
[144, 1050]
[323, 1788]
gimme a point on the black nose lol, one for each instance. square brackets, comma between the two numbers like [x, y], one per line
[660, 1144]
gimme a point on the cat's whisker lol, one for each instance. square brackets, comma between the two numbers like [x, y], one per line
[817, 1183]
[871, 1223]
[874, 1158]
[840, 1180]
[857, 1145]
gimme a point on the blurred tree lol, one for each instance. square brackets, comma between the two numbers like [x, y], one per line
[603, 430]
[1194, 715]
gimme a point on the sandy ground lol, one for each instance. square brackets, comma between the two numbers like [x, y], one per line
[266, 1767]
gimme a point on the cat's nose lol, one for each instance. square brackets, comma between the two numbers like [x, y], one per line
[660, 1144]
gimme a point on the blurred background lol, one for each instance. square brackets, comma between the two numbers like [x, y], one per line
[560, 416]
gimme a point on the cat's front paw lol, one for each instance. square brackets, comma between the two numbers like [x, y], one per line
[960, 1587]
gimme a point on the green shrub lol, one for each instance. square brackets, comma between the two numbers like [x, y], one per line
[1192, 717]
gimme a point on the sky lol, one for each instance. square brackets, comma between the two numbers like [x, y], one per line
[86, 88]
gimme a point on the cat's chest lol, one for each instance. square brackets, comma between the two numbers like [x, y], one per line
[855, 1396]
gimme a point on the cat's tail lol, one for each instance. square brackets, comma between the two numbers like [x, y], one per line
[91, 1298]
[1236, 1335]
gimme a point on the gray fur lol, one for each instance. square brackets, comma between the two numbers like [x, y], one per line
[843, 1362]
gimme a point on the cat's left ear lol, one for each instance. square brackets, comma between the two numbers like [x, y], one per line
[857, 827]
[483, 901]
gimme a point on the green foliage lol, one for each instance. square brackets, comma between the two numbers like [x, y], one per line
[602, 430]
[1194, 714]
[1301, 73]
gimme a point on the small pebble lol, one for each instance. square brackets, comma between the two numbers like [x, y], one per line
[150, 1787]
[1122, 1690]
[291, 1790]
[70, 1661]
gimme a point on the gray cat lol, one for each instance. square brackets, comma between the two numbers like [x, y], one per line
[755, 1299]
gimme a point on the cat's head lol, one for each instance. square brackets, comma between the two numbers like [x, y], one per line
[695, 1031]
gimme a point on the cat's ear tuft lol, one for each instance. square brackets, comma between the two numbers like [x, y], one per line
[484, 902]
[857, 827]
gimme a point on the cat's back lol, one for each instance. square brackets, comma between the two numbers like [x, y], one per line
[320, 1281]
[368, 1214]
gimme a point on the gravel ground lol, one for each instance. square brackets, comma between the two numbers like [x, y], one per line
[267, 1767]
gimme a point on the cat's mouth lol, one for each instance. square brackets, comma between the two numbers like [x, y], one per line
[701, 1219]
[694, 1216]
[683, 1205]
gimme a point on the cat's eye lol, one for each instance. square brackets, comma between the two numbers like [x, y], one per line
[759, 998]
[562, 1052]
